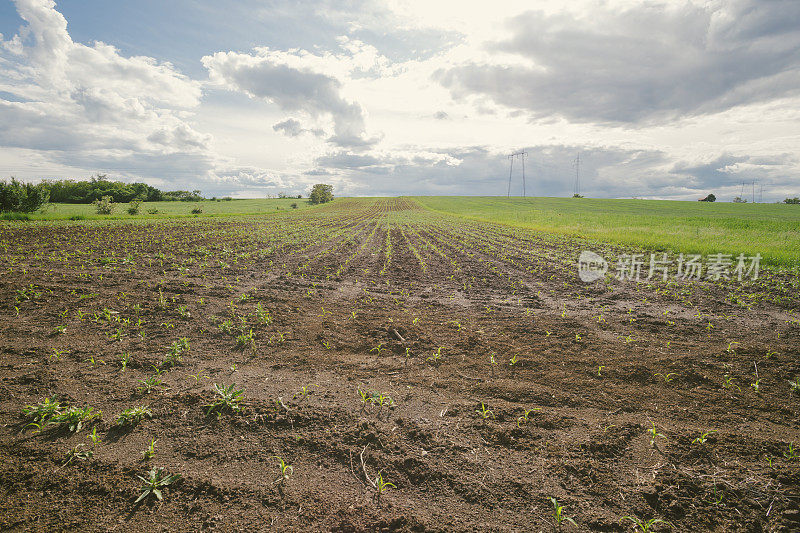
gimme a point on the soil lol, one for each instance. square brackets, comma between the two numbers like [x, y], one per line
[421, 310]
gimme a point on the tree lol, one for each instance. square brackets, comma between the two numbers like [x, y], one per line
[740, 200]
[794, 200]
[709, 198]
[321, 193]
[22, 197]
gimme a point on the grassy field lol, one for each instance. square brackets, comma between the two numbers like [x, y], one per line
[173, 209]
[773, 230]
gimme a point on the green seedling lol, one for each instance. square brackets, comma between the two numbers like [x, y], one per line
[600, 369]
[156, 480]
[484, 412]
[436, 358]
[228, 399]
[244, 339]
[654, 434]
[150, 383]
[150, 451]
[795, 385]
[42, 412]
[525, 417]
[286, 470]
[727, 382]
[79, 454]
[756, 385]
[513, 361]
[791, 454]
[305, 390]
[75, 417]
[381, 485]
[133, 415]
[379, 348]
[667, 377]
[124, 359]
[558, 514]
[703, 437]
[642, 525]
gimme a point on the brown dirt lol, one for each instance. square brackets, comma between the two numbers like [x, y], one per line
[344, 317]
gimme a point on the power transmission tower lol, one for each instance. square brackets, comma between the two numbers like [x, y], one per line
[522, 155]
[754, 191]
[577, 165]
[761, 194]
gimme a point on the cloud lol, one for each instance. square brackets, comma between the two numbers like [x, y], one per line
[294, 128]
[88, 106]
[645, 63]
[291, 82]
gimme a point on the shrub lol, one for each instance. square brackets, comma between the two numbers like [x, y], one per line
[153, 211]
[133, 208]
[794, 200]
[294, 205]
[21, 197]
[197, 209]
[104, 206]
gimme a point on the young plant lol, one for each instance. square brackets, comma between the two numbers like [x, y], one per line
[436, 358]
[156, 480]
[667, 377]
[381, 485]
[791, 454]
[150, 383]
[795, 385]
[558, 514]
[133, 415]
[525, 417]
[654, 434]
[75, 417]
[727, 382]
[703, 437]
[42, 412]
[228, 399]
[150, 451]
[78, 453]
[484, 412]
[244, 339]
[642, 525]
[286, 470]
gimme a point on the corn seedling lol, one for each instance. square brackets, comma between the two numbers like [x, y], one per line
[795, 385]
[667, 377]
[484, 412]
[525, 417]
[381, 485]
[150, 451]
[286, 470]
[703, 437]
[94, 436]
[791, 454]
[228, 398]
[42, 412]
[124, 359]
[133, 415]
[74, 418]
[156, 480]
[513, 361]
[558, 514]
[379, 348]
[305, 390]
[78, 453]
[244, 339]
[436, 358]
[600, 369]
[644, 526]
[727, 382]
[654, 434]
[150, 383]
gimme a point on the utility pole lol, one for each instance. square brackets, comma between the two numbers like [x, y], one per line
[577, 174]
[754, 191]
[761, 194]
[522, 155]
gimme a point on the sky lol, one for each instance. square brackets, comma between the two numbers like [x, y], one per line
[659, 99]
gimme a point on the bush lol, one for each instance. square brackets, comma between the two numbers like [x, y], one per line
[21, 197]
[294, 205]
[197, 209]
[133, 208]
[104, 206]
[153, 211]
[794, 200]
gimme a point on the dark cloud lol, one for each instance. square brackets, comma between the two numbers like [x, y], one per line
[648, 63]
[263, 75]
[294, 128]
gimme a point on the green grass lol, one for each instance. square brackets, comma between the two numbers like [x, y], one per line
[773, 230]
[172, 209]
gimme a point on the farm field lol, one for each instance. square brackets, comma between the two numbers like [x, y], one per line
[688, 227]
[210, 208]
[460, 361]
